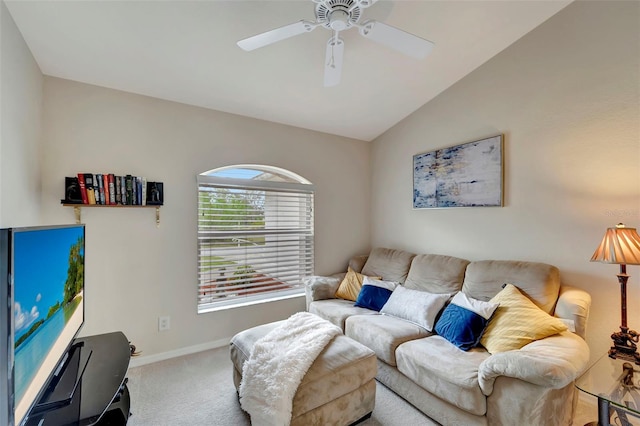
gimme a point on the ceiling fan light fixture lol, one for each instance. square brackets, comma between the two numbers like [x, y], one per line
[329, 11]
[339, 20]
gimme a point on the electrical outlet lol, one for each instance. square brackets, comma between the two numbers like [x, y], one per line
[164, 323]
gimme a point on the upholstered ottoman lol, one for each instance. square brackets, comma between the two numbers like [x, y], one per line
[338, 389]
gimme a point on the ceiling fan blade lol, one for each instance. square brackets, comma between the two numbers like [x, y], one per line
[333, 61]
[397, 39]
[276, 35]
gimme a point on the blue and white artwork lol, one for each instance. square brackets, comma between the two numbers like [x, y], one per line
[467, 175]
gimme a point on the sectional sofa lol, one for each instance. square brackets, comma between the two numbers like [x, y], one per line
[531, 385]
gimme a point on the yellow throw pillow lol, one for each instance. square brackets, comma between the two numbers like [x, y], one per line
[350, 286]
[517, 322]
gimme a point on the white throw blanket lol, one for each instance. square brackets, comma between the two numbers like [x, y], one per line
[277, 364]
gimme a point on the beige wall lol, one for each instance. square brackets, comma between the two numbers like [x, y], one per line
[20, 124]
[136, 272]
[566, 97]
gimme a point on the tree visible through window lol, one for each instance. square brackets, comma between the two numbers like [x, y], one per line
[255, 235]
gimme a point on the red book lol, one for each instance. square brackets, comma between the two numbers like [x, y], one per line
[83, 188]
[105, 183]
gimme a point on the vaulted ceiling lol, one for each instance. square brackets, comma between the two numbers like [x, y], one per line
[185, 51]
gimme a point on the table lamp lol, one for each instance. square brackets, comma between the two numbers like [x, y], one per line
[621, 245]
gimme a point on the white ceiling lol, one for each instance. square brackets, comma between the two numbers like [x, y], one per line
[186, 51]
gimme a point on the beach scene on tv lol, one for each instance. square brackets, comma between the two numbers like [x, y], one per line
[48, 276]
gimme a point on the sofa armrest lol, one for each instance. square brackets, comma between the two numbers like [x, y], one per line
[320, 288]
[574, 304]
[552, 362]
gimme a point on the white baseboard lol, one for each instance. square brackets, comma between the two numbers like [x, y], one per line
[138, 361]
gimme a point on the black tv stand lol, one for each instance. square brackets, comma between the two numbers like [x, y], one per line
[91, 388]
[65, 380]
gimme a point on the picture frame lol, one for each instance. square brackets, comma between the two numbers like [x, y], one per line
[465, 175]
[155, 193]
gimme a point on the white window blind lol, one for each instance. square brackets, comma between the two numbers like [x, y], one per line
[255, 240]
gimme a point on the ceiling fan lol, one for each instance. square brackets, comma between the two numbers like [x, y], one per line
[337, 16]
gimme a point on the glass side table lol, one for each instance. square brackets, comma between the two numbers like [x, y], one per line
[617, 389]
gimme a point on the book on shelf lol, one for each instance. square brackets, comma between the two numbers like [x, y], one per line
[105, 184]
[96, 188]
[139, 193]
[129, 189]
[123, 188]
[110, 189]
[134, 190]
[144, 190]
[137, 190]
[83, 188]
[100, 191]
[88, 181]
[116, 183]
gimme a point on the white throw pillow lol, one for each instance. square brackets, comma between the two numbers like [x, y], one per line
[389, 285]
[484, 309]
[417, 307]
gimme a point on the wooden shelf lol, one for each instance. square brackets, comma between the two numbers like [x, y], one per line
[77, 209]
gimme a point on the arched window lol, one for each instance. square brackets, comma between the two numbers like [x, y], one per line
[255, 235]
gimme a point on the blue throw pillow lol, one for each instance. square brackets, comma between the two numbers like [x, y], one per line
[464, 320]
[374, 293]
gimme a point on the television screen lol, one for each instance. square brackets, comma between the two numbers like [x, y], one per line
[47, 269]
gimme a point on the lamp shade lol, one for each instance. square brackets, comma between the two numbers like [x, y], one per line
[620, 245]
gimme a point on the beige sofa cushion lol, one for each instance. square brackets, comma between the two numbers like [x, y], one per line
[357, 262]
[444, 370]
[337, 311]
[538, 281]
[382, 333]
[390, 264]
[436, 273]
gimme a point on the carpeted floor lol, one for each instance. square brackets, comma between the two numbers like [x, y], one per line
[198, 389]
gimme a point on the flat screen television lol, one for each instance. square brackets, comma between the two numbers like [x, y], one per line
[42, 311]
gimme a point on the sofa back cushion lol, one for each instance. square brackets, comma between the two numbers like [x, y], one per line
[357, 262]
[436, 273]
[538, 281]
[390, 264]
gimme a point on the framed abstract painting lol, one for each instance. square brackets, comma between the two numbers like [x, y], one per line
[467, 175]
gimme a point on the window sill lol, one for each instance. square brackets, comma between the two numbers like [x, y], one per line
[213, 307]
